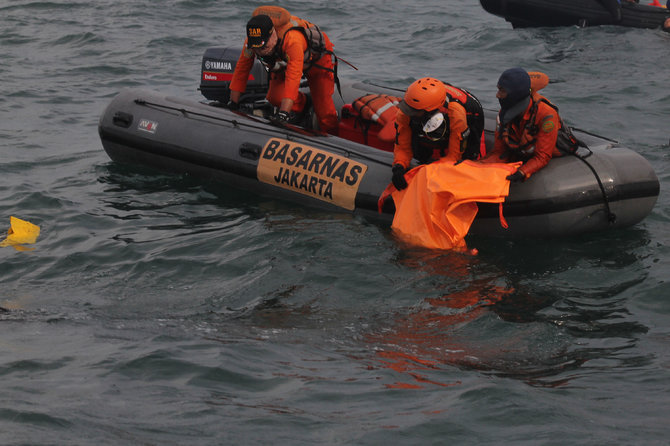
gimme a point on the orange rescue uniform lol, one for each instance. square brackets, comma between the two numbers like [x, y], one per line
[286, 82]
[534, 142]
[403, 151]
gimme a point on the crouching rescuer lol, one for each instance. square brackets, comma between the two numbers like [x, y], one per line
[529, 128]
[435, 120]
[289, 48]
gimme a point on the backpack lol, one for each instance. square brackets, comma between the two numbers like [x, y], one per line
[474, 113]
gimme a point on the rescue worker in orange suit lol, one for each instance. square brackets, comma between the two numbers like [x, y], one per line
[286, 53]
[527, 126]
[428, 126]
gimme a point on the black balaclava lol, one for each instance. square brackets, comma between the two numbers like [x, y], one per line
[516, 82]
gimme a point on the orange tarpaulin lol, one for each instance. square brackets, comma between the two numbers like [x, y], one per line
[439, 205]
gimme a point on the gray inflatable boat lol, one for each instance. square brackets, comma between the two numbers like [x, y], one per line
[604, 187]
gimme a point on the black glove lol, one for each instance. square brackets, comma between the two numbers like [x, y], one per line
[398, 178]
[280, 118]
[233, 106]
[516, 177]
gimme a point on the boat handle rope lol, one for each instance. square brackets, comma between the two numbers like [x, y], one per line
[593, 134]
[611, 217]
[307, 136]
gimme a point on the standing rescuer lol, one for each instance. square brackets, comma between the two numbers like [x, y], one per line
[435, 120]
[289, 48]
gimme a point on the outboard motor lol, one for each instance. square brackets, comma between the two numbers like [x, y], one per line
[218, 65]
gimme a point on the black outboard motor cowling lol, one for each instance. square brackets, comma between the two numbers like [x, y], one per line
[218, 65]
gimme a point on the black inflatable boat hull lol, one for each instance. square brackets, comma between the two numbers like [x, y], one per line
[530, 13]
[142, 127]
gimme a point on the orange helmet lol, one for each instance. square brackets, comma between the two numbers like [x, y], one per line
[426, 94]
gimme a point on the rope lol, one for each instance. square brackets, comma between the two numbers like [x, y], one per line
[611, 217]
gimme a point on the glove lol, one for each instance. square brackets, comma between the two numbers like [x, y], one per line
[233, 106]
[516, 177]
[398, 178]
[280, 118]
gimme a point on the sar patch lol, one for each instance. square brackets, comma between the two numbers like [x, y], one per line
[548, 126]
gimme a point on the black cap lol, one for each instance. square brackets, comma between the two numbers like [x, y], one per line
[259, 29]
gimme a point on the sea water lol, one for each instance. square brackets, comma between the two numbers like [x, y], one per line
[158, 309]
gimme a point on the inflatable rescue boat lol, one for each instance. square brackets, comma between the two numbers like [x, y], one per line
[529, 13]
[604, 186]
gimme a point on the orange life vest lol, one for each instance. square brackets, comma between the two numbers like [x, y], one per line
[538, 81]
[284, 22]
[565, 142]
[380, 109]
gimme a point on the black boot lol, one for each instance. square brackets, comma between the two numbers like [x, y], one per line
[303, 118]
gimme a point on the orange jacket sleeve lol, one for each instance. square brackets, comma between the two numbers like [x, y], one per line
[548, 124]
[294, 47]
[402, 149]
[242, 69]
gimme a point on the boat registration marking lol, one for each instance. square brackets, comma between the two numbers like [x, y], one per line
[311, 171]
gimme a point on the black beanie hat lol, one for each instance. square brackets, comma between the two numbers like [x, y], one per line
[516, 83]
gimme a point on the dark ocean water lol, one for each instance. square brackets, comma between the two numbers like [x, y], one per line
[156, 309]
